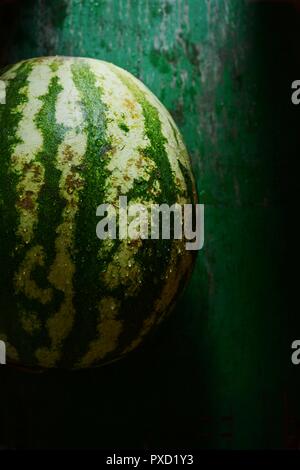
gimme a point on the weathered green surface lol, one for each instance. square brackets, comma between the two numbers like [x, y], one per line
[225, 351]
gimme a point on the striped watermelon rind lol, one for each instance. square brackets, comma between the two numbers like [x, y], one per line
[77, 133]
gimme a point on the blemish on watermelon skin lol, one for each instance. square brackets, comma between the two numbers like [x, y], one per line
[124, 127]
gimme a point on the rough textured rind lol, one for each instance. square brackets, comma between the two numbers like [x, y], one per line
[76, 133]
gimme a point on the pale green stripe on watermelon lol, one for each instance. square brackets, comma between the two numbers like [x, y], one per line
[87, 286]
[37, 297]
[70, 157]
[157, 150]
[30, 173]
[125, 131]
[24, 163]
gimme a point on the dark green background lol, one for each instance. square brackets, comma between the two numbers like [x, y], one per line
[218, 374]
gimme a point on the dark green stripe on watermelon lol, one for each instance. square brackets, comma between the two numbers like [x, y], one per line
[156, 151]
[87, 287]
[9, 218]
[50, 207]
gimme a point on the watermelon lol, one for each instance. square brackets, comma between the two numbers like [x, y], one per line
[77, 133]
